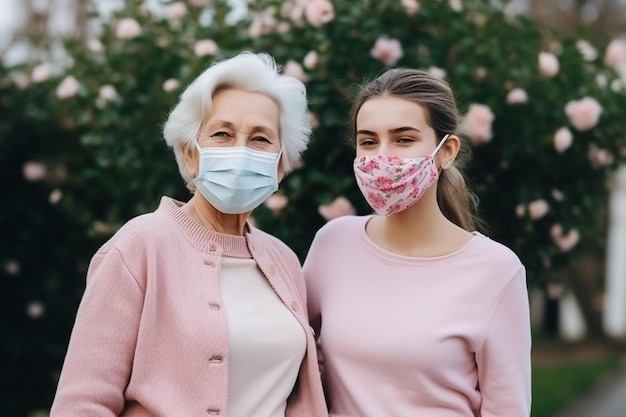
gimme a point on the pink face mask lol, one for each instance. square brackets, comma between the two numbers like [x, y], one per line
[391, 184]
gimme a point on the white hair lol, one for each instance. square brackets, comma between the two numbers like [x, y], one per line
[250, 72]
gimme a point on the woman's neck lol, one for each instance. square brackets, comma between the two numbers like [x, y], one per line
[208, 216]
[422, 230]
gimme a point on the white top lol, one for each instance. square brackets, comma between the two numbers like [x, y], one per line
[266, 342]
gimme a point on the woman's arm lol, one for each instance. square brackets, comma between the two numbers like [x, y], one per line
[504, 368]
[99, 359]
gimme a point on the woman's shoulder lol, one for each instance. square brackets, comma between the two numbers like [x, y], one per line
[342, 224]
[141, 231]
[494, 252]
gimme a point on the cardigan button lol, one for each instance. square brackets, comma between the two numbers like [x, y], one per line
[214, 306]
[213, 412]
[216, 360]
[294, 306]
[213, 247]
[209, 263]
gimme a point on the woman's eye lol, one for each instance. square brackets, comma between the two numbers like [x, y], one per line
[366, 142]
[220, 134]
[261, 139]
[405, 140]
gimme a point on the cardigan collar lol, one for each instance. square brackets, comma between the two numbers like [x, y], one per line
[202, 238]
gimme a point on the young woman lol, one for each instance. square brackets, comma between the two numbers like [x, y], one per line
[416, 313]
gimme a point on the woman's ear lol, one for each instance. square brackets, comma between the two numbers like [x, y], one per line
[280, 169]
[190, 156]
[449, 151]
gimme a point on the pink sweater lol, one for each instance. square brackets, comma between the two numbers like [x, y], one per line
[447, 336]
[150, 337]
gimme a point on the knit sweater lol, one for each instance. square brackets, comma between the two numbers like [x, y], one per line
[151, 338]
[446, 336]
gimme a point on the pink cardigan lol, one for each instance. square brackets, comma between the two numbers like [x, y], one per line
[150, 337]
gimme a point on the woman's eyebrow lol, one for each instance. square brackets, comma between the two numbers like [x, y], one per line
[404, 129]
[365, 132]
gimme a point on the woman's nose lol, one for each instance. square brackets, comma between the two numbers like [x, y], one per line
[241, 139]
[383, 149]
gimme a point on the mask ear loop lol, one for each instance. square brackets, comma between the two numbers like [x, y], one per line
[440, 144]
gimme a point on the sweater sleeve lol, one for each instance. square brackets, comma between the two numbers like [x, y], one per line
[312, 281]
[98, 363]
[503, 361]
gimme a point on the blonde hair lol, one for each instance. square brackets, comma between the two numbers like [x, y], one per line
[249, 72]
[457, 202]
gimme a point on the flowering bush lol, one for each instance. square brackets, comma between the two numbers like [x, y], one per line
[82, 149]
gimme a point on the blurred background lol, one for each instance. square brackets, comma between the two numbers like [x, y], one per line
[85, 87]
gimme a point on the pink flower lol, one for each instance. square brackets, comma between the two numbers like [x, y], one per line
[20, 79]
[256, 29]
[68, 88]
[583, 114]
[599, 157]
[456, 5]
[263, 23]
[340, 206]
[384, 183]
[294, 11]
[565, 242]
[389, 51]
[101, 228]
[557, 195]
[517, 96]
[35, 309]
[538, 208]
[34, 171]
[95, 46]
[310, 60]
[127, 28]
[205, 47]
[615, 54]
[276, 202]
[481, 73]
[588, 52]
[108, 93]
[319, 12]
[176, 10]
[55, 196]
[41, 73]
[171, 85]
[477, 123]
[293, 69]
[548, 64]
[555, 290]
[283, 27]
[563, 139]
[410, 6]
[437, 72]
[11, 267]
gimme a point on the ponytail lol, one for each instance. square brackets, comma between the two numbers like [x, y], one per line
[457, 202]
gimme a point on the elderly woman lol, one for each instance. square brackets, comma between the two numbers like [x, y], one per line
[190, 310]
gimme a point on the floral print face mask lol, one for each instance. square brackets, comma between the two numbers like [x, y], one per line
[391, 184]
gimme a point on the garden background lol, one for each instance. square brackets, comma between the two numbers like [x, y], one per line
[81, 148]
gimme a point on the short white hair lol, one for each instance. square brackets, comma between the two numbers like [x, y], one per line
[250, 72]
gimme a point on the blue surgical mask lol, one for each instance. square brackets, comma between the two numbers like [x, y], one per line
[236, 180]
